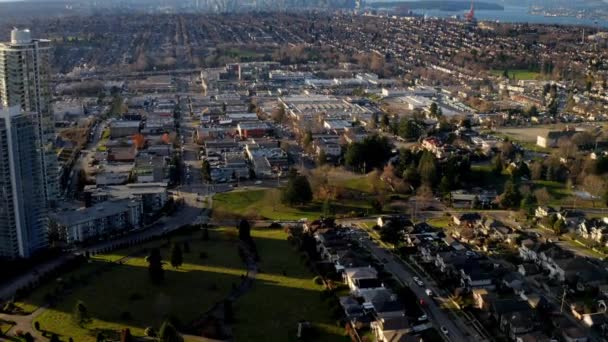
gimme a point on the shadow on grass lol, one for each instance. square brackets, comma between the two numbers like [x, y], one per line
[121, 296]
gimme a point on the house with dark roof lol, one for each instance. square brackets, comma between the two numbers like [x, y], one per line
[361, 278]
[391, 330]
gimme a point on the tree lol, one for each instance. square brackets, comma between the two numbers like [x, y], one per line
[595, 186]
[307, 139]
[497, 165]
[434, 109]
[176, 255]
[368, 154]
[511, 197]
[528, 203]
[80, 313]
[390, 233]
[445, 185]
[411, 175]
[559, 227]
[297, 191]
[54, 338]
[155, 266]
[37, 325]
[206, 170]
[244, 229]
[409, 129]
[427, 168]
[536, 170]
[278, 114]
[542, 196]
[533, 111]
[327, 210]
[322, 157]
[168, 333]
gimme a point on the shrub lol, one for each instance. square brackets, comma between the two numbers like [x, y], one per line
[318, 280]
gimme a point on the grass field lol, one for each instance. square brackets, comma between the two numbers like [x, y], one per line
[518, 74]
[440, 222]
[283, 294]
[122, 296]
[266, 204]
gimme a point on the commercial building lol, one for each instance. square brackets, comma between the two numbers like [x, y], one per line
[23, 211]
[25, 82]
[120, 129]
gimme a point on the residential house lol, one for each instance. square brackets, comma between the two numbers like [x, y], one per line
[543, 211]
[391, 329]
[361, 278]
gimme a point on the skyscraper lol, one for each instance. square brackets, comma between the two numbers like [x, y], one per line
[25, 82]
[23, 209]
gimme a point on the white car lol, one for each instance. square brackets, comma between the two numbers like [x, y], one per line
[422, 318]
[428, 292]
[257, 182]
[418, 281]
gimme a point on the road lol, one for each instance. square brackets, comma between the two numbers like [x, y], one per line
[458, 331]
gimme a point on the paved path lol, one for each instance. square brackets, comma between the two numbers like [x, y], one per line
[24, 323]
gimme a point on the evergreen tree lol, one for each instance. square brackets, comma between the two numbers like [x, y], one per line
[155, 266]
[427, 168]
[168, 333]
[297, 191]
[445, 185]
[176, 255]
[497, 165]
[511, 197]
[244, 229]
[80, 313]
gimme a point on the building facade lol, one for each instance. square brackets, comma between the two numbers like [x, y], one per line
[25, 82]
[23, 210]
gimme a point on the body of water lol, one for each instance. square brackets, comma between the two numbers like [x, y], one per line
[515, 14]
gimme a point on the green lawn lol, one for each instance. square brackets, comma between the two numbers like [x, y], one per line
[518, 74]
[360, 183]
[266, 204]
[111, 296]
[440, 222]
[283, 294]
[5, 327]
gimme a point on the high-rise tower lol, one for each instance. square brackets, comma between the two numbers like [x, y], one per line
[23, 209]
[25, 82]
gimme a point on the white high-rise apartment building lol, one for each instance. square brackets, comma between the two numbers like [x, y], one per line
[25, 82]
[23, 209]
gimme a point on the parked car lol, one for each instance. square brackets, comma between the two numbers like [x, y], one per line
[444, 330]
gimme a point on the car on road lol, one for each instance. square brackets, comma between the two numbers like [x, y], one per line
[444, 330]
[418, 281]
[257, 182]
[423, 318]
[428, 292]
